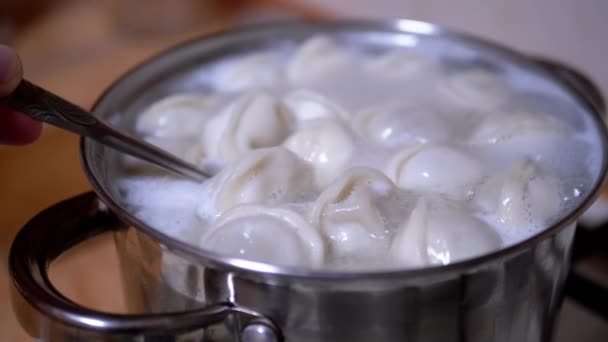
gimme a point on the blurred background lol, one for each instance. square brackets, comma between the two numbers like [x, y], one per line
[76, 48]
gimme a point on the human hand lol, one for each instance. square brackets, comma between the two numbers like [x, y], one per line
[15, 128]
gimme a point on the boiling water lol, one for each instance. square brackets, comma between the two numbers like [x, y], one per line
[478, 182]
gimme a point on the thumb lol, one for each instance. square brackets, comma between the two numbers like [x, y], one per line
[10, 70]
[15, 128]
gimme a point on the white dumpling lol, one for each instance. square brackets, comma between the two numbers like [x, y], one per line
[440, 237]
[436, 168]
[348, 214]
[182, 115]
[186, 149]
[404, 64]
[254, 71]
[254, 120]
[276, 236]
[325, 145]
[517, 126]
[305, 105]
[317, 58]
[521, 197]
[264, 176]
[408, 247]
[476, 89]
[402, 124]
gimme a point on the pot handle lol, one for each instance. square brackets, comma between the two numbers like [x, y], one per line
[575, 80]
[45, 313]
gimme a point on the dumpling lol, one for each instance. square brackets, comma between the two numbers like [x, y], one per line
[254, 71]
[252, 121]
[402, 124]
[506, 127]
[440, 237]
[276, 236]
[186, 149]
[317, 58]
[326, 145]
[348, 213]
[436, 168]
[523, 196]
[404, 64]
[476, 89]
[408, 247]
[305, 105]
[182, 115]
[264, 176]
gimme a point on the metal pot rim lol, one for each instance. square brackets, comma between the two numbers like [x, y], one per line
[280, 272]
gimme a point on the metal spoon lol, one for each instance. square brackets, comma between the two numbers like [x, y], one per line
[42, 105]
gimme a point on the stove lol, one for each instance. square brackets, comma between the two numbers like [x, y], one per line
[584, 314]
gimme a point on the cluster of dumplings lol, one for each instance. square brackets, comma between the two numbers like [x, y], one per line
[341, 160]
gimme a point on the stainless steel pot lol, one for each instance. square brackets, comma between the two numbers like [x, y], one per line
[181, 293]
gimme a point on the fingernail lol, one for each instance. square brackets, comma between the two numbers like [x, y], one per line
[9, 64]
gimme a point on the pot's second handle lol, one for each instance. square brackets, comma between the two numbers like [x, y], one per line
[576, 80]
[44, 312]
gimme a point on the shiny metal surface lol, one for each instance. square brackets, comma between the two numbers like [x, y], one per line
[42, 105]
[258, 332]
[510, 295]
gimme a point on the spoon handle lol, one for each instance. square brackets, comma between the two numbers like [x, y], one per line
[42, 105]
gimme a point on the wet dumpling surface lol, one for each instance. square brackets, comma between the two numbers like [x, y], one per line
[326, 145]
[402, 124]
[254, 71]
[436, 168]
[348, 213]
[272, 235]
[518, 126]
[522, 196]
[180, 115]
[255, 120]
[306, 105]
[269, 176]
[433, 237]
[476, 89]
[316, 59]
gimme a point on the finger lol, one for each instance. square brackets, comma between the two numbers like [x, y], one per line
[11, 71]
[17, 129]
